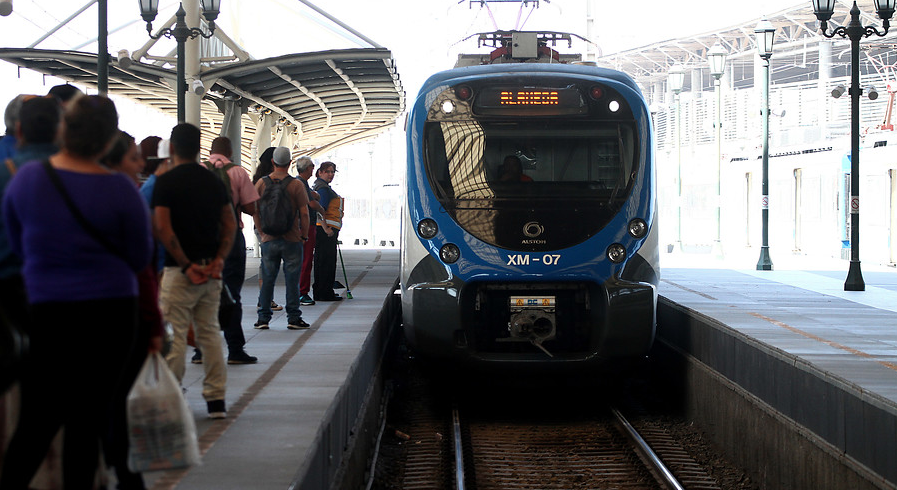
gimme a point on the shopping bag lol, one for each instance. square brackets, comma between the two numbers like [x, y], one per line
[161, 430]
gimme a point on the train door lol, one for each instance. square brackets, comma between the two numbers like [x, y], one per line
[797, 208]
[892, 228]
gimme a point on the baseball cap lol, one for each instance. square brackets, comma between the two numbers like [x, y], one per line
[281, 156]
[164, 147]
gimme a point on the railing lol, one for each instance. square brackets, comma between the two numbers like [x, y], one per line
[800, 113]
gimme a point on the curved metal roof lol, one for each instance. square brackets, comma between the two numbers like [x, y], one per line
[796, 34]
[328, 98]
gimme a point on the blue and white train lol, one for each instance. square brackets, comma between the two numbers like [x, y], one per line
[553, 264]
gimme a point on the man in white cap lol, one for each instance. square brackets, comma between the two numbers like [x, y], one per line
[283, 199]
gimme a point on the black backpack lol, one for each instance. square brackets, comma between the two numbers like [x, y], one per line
[277, 213]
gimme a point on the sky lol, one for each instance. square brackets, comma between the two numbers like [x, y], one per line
[424, 36]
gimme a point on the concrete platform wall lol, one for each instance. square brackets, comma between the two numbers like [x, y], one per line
[790, 424]
[343, 445]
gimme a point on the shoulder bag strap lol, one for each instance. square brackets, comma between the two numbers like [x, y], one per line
[89, 228]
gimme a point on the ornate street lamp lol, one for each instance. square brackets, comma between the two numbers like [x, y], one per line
[677, 78]
[854, 31]
[716, 56]
[765, 33]
[181, 33]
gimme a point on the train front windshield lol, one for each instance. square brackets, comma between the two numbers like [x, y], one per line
[495, 176]
[583, 160]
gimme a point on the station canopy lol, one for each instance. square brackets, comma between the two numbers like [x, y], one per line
[309, 101]
[326, 98]
[795, 53]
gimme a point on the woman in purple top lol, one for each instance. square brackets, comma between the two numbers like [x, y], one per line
[82, 296]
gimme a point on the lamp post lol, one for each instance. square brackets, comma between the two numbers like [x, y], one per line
[181, 33]
[677, 81]
[102, 48]
[765, 33]
[716, 56]
[854, 31]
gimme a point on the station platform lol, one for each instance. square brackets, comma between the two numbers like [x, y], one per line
[820, 360]
[291, 415]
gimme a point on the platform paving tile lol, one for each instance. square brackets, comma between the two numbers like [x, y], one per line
[278, 406]
[805, 313]
[823, 356]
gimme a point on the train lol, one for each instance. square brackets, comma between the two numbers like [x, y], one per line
[529, 233]
[809, 199]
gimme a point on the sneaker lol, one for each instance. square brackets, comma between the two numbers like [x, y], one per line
[216, 409]
[305, 300]
[197, 357]
[298, 325]
[261, 325]
[335, 297]
[275, 306]
[241, 358]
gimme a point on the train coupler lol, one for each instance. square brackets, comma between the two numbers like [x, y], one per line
[532, 319]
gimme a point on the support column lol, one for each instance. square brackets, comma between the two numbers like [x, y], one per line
[825, 75]
[892, 222]
[657, 93]
[591, 55]
[103, 48]
[697, 81]
[231, 127]
[191, 66]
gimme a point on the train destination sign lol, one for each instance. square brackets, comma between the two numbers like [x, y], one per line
[530, 101]
[528, 97]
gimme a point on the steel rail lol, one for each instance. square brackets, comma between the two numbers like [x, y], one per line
[661, 471]
[459, 450]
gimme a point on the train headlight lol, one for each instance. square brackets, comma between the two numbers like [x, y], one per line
[638, 228]
[613, 106]
[449, 253]
[448, 107]
[616, 253]
[427, 228]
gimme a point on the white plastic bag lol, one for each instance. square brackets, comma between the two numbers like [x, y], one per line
[161, 429]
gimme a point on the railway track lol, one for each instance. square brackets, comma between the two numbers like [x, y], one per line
[500, 442]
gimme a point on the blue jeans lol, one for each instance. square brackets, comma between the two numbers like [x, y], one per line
[273, 253]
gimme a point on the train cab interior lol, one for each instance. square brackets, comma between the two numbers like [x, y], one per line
[578, 160]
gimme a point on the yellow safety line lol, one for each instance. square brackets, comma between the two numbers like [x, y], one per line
[889, 365]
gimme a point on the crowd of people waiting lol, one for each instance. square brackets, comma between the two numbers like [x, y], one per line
[103, 240]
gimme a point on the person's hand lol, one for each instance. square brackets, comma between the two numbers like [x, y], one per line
[197, 274]
[328, 231]
[215, 268]
[155, 344]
